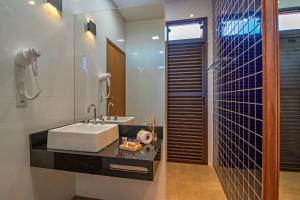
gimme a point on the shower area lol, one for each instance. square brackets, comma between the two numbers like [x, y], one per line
[289, 34]
[290, 103]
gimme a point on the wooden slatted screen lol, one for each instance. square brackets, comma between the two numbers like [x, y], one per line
[290, 104]
[187, 137]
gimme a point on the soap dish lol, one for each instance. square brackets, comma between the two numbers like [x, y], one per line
[130, 148]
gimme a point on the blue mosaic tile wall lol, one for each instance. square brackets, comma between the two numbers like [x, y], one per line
[238, 105]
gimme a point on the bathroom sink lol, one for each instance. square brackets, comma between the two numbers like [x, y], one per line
[83, 137]
[120, 120]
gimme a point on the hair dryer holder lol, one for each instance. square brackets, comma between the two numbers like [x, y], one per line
[23, 59]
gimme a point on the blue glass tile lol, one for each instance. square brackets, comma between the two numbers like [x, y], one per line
[258, 96]
[252, 79]
[252, 96]
[259, 112]
[252, 128]
[258, 143]
[259, 127]
[259, 81]
[246, 110]
[252, 110]
[258, 159]
[252, 139]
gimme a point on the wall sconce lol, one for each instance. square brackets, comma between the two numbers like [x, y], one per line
[91, 27]
[57, 4]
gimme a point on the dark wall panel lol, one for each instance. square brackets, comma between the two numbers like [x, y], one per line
[290, 104]
[238, 103]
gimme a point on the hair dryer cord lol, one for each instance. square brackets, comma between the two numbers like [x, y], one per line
[108, 94]
[37, 94]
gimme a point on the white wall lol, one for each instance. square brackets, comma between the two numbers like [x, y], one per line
[24, 26]
[182, 9]
[145, 71]
[92, 52]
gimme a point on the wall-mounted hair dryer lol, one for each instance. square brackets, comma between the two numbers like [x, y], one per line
[104, 77]
[26, 58]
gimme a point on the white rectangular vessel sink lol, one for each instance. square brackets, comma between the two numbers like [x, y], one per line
[83, 137]
[120, 120]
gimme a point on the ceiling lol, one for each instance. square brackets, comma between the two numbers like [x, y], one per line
[145, 12]
[131, 3]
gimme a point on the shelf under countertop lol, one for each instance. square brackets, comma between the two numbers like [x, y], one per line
[141, 164]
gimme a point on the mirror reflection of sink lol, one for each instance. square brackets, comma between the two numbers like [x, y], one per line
[120, 120]
[83, 137]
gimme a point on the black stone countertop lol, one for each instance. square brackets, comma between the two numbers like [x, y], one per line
[142, 164]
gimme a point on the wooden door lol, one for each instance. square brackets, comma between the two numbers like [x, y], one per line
[116, 65]
[187, 133]
[290, 104]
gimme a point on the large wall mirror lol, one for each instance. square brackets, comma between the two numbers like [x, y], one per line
[129, 44]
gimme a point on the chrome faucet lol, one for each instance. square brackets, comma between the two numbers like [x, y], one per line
[110, 104]
[95, 112]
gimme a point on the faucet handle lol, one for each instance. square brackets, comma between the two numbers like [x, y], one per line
[101, 119]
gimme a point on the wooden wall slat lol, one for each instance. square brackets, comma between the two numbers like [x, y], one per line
[271, 101]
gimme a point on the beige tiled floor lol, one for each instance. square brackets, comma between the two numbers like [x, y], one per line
[289, 186]
[192, 182]
[197, 182]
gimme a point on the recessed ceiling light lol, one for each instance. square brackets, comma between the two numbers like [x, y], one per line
[156, 37]
[192, 15]
[31, 2]
[161, 67]
[135, 53]
[161, 52]
[121, 40]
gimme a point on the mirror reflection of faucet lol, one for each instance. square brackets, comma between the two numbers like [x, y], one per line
[123, 120]
[95, 112]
